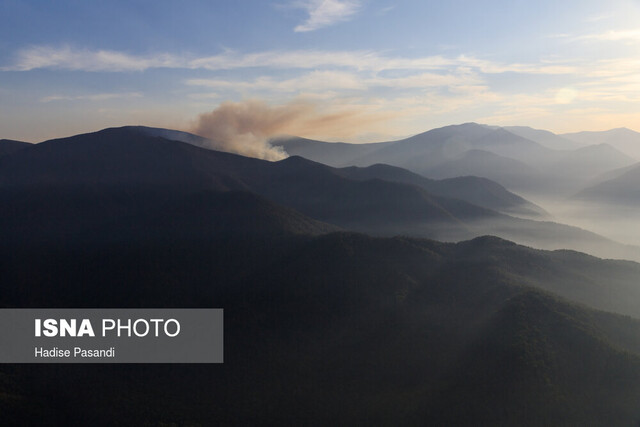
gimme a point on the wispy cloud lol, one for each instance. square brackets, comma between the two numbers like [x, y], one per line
[542, 67]
[383, 11]
[309, 59]
[318, 81]
[324, 13]
[93, 97]
[450, 87]
[67, 58]
[204, 95]
[599, 17]
[632, 35]
[314, 81]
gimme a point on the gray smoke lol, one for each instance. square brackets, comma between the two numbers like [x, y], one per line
[246, 127]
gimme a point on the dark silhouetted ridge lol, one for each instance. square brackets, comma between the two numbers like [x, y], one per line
[8, 146]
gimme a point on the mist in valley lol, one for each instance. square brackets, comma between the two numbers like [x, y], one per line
[617, 222]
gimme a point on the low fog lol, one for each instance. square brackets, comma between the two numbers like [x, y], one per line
[617, 222]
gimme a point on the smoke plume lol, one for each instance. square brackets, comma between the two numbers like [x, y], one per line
[246, 127]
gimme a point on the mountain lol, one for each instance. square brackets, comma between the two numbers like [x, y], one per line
[342, 327]
[489, 166]
[8, 146]
[426, 150]
[74, 217]
[322, 326]
[116, 157]
[572, 275]
[520, 159]
[623, 139]
[126, 157]
[472, 189]
[508, 144]
[111, 171]
[490, 194]
[544, 138]
[586, 163]
[337, 154]
[611, 174]
[622, 190]
[174, 135]
[206, 214]
[118, 172]
[478, 191]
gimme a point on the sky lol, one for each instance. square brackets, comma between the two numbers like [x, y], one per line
[350, 70]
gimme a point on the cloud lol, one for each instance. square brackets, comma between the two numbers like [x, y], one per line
[613, 35]
[322, 81]
[492, 67]
[314, 81]
[94, 97]
[383, 11]
[299, 59]
[67, 58]
[324, 13]
[462, 87]
[246, 127]
[204, 95]
[599, 17]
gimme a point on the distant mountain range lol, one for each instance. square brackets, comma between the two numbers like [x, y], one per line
[545, 138]
[323, 326]
[479, 191]
[123, 171]
[623, 139]
[518, 158]
[623, 189]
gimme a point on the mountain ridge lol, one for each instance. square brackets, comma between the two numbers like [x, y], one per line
[9, 146]
[343, 320]
[539, 171]
[322, 325]
[127, 158]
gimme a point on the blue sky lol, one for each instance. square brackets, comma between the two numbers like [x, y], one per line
[378, 69]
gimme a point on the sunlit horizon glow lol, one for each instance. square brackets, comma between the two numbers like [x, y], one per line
[401, 68]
